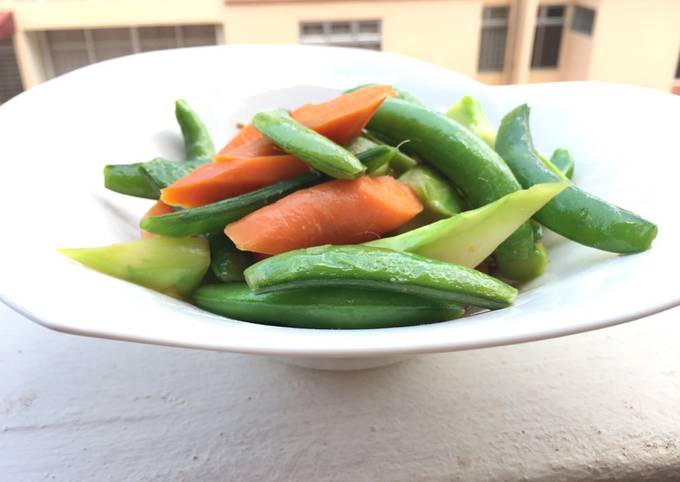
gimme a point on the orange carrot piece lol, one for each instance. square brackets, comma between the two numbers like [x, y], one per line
[343, 118]
[215, 181]
[258, 148]
[335, 212]
[247, 134]
[157, 209]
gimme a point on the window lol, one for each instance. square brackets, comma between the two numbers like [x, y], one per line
[548, 36]
[70, 49]
[365, 34]
[10, 80]
[494, 36]
[583, 20]
[110, 43]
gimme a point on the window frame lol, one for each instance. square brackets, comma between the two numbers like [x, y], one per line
[11, 47]
[543, 20]
[574, 13]
[488, 22]
[133, 32]
[354, 38]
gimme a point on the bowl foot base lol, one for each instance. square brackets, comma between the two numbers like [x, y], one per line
[342, 364]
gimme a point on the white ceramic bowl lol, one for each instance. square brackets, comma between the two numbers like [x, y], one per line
[55, 139]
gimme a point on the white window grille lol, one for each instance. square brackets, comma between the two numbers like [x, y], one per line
[548, 36]
[493, 39]
[10, 79]
[366, 34]
[67, 50]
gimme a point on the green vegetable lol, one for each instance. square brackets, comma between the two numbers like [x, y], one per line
[381, 269]
[212, 218]
[437, 194]
[174, 266]
[562, 160]
[197, 141]
[146, 179]
[468, 111]
[163, 172]
[574, 213]
[330, 307]
[470, 237]
[227, 262]
[314, 149]
[400, 162]
[130, 179]
[377, 159]
[401, 93]
[471, 164]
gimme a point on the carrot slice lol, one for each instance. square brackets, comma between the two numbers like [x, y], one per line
[335, 212]
[220, 180]
[157, 209]
[340, 119]
[343, 118]
[247, 134]
[258, 148]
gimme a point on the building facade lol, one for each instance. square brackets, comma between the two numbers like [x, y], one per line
[495, 41]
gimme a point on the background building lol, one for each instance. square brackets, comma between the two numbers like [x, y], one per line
[495, 41]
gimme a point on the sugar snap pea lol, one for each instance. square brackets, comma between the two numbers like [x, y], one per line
[197, 141]
[574, 213]
[377, 159]
[164, 172]
[562, 160]
[130, 179]
[329, 307]
[312, 148]
[212, 218]
[378, 268]
[401, 93]
[226, 261]
[437, 194]
[471, 164]
[400, 162]
[146, 179]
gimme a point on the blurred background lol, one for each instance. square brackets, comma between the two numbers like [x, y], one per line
[494, 41]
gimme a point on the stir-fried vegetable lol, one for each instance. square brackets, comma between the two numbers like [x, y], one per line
[420, 200]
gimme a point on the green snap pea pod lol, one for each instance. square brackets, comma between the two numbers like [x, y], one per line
[562, 160]
[381, 269]
[574, 213]
[437, 194]
[471, 164]
[130, 179]
[314, 149]
[329, 308]
[164, 172]
[212, 218]
[197, 141]
[400, 162]
[401, 93]
[146, 179]
[468, 111]
[377, 160]
[226, 261]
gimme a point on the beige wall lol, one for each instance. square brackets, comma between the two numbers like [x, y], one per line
[32, 17]
[438, 31]
[51, 15]
[637, 42]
